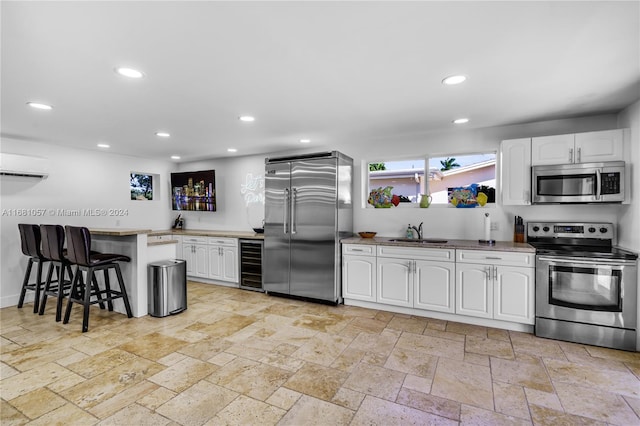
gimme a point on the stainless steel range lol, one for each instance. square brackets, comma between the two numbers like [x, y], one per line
[586, 289]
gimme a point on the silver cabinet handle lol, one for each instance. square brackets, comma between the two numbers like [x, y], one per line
[571, 155]
[493, 257]
[579, 155]
[356, 249]
[294, 200]
[285, 210]
[495, 273]
[487, 272]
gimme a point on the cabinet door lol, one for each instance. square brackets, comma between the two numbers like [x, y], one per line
[513, 294]
[359, 277]
[395, 282]
[515, 171]
[215, 262]
[593, 147]
[434, 286]
[557, 149]
[474, 290]
[230, 264]
[188, 254]
[201, 261]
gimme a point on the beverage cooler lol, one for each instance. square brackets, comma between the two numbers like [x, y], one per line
[251, 264]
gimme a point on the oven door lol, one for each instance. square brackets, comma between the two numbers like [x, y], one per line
[592, 291]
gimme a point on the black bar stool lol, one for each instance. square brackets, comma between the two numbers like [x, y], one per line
[79, 253]
[53, 250]
[31, 246]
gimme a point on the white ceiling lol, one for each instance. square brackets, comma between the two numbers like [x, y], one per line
[327, 71]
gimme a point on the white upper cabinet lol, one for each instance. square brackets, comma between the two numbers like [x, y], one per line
[589, 147]
[593, 147]
[558, 149]
[515, 171]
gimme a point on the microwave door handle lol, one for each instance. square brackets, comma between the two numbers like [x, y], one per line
[598, 184]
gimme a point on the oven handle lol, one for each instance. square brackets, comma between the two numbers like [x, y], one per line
[598, 184]
[612, 262]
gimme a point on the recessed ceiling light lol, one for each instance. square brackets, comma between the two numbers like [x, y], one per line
[461, 121]
[175, 157]
[232, 150]
[305, 140]
[129, 72]
[163, 134]
[38, 105]
[247, 118]
[103, 145]
[454, 79]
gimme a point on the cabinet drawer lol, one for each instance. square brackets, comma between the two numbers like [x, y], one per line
[418, 253]
[359, 249]
[194, 239]
[506, 258]
[221, 241]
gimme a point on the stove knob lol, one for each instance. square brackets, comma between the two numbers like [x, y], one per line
[536, 228]
[603, 230]
[545, 229]
[592, 229]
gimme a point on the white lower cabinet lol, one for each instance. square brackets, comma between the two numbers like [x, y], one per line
[212, 258]
[434, 287]
[495, 285]
[395, 281]
[223, 259]
[490, 286]
[359, 277]
[474, 292]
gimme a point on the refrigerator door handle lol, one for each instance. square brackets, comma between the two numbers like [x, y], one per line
[285, 210]
[294, 196]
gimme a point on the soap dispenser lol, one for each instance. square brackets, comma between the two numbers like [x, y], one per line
[409, 231]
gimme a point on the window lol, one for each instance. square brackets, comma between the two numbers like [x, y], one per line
[405, 178]
[448, 172]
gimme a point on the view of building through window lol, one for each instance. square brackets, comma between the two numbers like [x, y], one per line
[408, 180]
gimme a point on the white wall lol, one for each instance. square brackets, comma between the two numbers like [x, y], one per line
[234, 210]
[629, 217]
[439, 221]
[467, 223]
[78, 179]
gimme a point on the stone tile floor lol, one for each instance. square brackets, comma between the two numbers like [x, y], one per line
[243, 358]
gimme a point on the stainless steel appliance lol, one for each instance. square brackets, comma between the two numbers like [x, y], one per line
[251, 264]
[578, 183]
[308, 209]
[586, 288]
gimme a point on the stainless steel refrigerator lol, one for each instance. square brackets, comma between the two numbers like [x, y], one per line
[308, 209]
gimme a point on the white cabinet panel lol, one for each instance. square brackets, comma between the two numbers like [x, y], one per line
[359, 277]
[558, 149]
[202, 265]
[515, 171]
[434, 286]
[474, 292]
[230, 264]
[395, 282]
[359, 249]
[594, 147]
[505, 258]
[514, 294]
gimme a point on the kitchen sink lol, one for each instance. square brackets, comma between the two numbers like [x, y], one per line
[418, 241]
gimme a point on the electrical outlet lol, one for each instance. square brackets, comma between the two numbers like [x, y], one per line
[494, 226]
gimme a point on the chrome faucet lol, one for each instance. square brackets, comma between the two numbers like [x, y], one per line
[418, 230]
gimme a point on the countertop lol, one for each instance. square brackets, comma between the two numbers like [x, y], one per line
[118, 232]
[450, 244]
[207, 233]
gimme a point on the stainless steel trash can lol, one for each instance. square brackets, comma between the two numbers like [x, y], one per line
[167, 287]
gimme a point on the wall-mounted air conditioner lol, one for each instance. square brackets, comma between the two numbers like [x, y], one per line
[23, 165]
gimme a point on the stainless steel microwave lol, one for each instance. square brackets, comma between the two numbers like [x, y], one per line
[578, 183]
